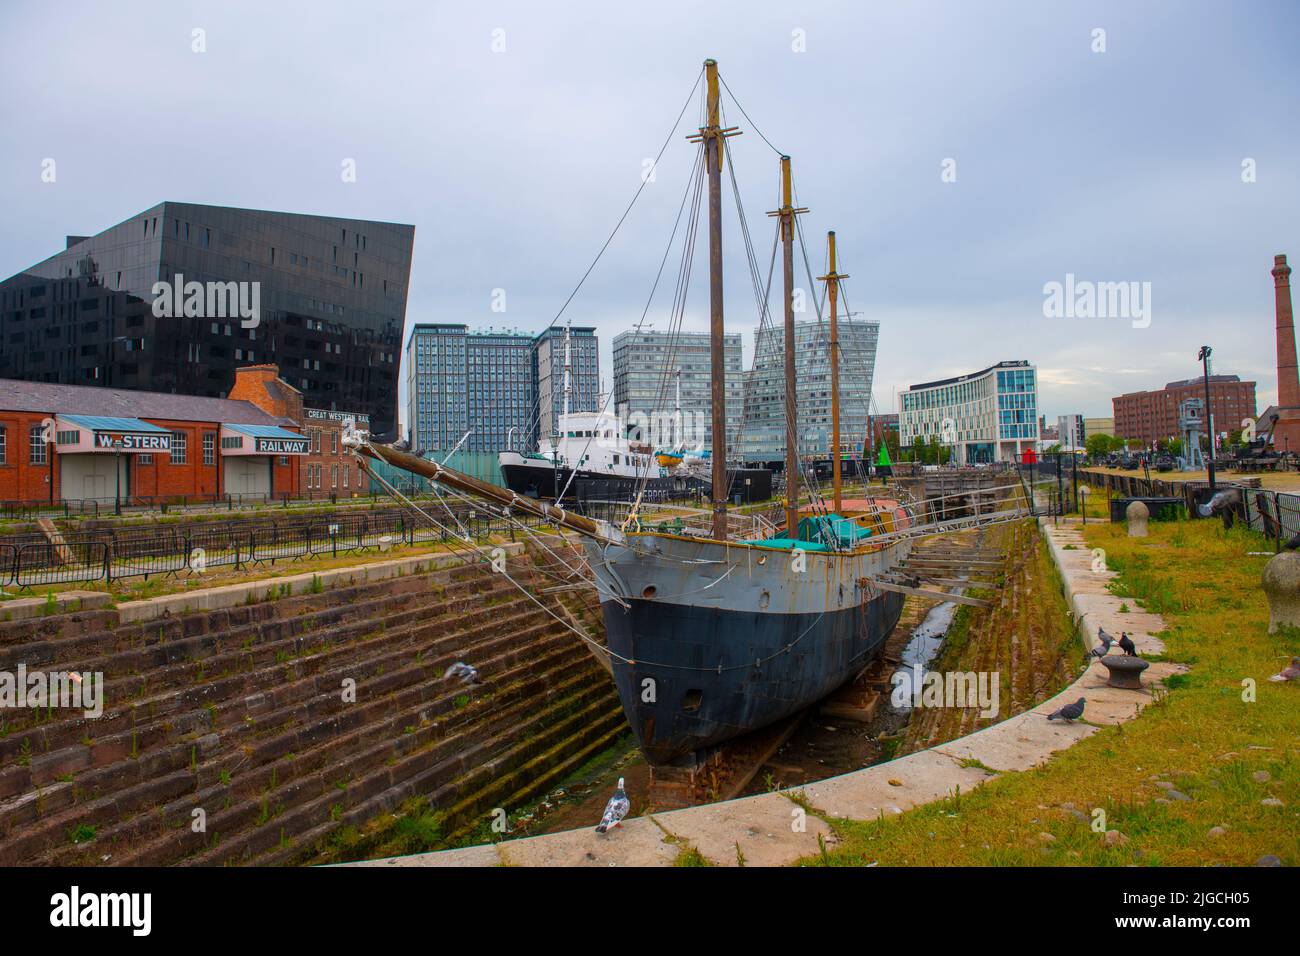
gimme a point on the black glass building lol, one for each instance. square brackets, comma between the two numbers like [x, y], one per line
[176, 298]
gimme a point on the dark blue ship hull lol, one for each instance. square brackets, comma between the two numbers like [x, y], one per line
[719, 673]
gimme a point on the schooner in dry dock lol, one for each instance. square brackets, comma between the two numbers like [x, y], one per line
[720, 628]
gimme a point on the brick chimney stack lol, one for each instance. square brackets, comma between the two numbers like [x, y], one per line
[1286, 427]
[262, 385]
[1288, 382]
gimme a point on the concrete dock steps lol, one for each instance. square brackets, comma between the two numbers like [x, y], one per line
[227, 736]
[54, 627]
[547, 714]
[297, 788]
[131, 647]
[135, 768]
[483, 774]
[514, 784]
[183, 696]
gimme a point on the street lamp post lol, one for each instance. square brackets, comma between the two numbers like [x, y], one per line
[1060, 489]
[117, 473]
[1204, 356]
[1074, 475]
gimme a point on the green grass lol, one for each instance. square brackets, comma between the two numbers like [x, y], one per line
[689, 856]
[1201, 737]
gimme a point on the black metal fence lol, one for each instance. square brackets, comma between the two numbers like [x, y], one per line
[29, 561]
[95, 507]
[1275, 514]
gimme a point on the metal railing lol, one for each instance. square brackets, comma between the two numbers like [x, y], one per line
[1275, 514]
[103, 507]
[28, 561]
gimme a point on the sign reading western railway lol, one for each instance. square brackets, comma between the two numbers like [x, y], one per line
[147, 442]
[282, 446]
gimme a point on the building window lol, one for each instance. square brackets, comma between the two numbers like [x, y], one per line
[209, 448]
[334, 443]
[179, 447]
[284, 461]
[334, 477]
[4, 446]
[346, 470]
[37, 442]
[145, 459]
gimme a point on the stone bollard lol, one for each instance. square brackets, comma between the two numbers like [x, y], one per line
[1125, 671]
[1137, 514]
[1282, 588]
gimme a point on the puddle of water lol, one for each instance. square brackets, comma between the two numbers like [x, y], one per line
[925, 643]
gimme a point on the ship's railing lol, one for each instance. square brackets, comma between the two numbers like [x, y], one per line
[969, 522]
[678, 519]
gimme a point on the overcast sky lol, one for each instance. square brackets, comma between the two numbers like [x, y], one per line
[515, 164]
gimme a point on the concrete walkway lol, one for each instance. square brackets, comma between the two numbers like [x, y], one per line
[773, 830]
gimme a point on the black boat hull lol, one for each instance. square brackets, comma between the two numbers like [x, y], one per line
[730, 671]
[545, 483]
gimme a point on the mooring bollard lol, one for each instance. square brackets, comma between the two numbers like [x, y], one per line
[1125, 670]
[1281, 583]
[1137, 514]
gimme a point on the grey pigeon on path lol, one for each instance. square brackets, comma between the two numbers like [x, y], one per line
[466, 673]
[615, 810]
[1106, 642]
[1290, 672]
[1127, 645]
[1070, 712]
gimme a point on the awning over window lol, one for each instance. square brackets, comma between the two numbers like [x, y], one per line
[99, 433]
[261, 440]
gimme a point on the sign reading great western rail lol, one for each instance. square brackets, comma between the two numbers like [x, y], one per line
[281, 446]
[134, 442]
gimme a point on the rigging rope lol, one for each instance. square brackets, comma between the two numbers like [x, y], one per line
[635, 196]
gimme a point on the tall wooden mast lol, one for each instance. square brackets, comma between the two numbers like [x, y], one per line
[712, 135]
[787, 212]
[832, 280]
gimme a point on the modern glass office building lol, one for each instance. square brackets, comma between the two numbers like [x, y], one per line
[502, 387]
[177, 297]
[987, 416]
[461, 380]
[763, 428]
[548, 376]
[646, 364]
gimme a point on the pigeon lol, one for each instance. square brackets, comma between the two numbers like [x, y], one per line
[1290, 672]
[1106, 642]
[1126, 644]
[615, 810]
[1070, 712]
[466, 673]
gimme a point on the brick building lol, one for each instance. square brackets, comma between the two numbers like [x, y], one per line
[328, 469]
[883, 425]
[74, 442]
[1153, 416]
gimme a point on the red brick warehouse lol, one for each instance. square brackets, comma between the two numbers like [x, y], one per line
[76, 443]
